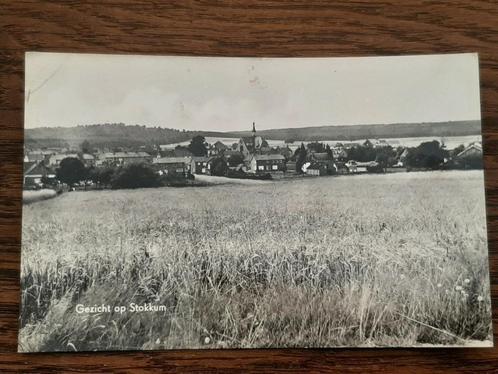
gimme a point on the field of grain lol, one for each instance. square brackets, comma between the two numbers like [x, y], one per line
[371, 260]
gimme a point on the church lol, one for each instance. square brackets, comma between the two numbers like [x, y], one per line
[257, 157]
[251, 145]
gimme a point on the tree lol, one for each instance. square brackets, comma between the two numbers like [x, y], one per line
[362, 153]
[106, 175]
[300, 155]
[235, 160]
[151, 150]
[135, 176]
[219, 167]
[198, 146]
[382, 159]
[458, 150]
[368, 144]
[71, 170]
[86, 147]
[329, 152]
[385, 156]
[101, 176]
[428, 155]
[181, 151]
[316, 147]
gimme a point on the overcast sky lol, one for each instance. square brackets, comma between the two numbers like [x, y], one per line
[227, 94]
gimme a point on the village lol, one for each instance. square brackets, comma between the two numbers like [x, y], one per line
[249, 157]
[228, 203]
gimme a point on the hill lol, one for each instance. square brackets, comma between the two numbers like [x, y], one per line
[356, 132]
[107, 136]
[120, 135]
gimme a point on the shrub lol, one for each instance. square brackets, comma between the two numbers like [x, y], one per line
[219, 167]
[71, 171]
[102, 177]
[135, 176]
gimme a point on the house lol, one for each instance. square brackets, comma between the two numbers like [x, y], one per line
[172, 165]
[125, 158]
[38, 155]
[33, 157]
[168, 153]
[55, 160]
[286, 152]
[349, 145]
[217, 148]
[341, 167]
[182, 151]
[290, 167]
[34, 172]
[470, 157]
[199, 165]
[323, 161]
[316, 169]
[166, 147]
[88, 159]
[356, 167]
[367, 143]
[402, 158]
[473, 150]
[353, 167]
[380, 143]
[267, 164]
[339, 153]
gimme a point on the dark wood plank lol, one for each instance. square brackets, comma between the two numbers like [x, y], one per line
[236, 28]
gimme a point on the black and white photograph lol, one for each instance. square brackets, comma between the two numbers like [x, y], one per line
[174, 202]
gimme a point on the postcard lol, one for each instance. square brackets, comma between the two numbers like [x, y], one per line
[215, 202]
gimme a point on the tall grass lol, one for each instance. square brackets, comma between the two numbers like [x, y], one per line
[349, 261]
[29, 197]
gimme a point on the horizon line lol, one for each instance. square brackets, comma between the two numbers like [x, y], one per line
[238, 131]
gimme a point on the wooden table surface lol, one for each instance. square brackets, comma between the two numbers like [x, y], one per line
[236, 28]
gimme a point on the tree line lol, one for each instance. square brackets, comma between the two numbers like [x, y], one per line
[72, 171]
[428, 156]
[431, 155]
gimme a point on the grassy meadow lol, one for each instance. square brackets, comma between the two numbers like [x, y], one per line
[367, 260]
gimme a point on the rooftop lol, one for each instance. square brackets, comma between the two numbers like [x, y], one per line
[268, 157]
[125, 154]
[198, 158]
[476, 146]
[63, 156]
[171, 160]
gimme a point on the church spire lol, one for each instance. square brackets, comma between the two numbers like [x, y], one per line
[254, 138]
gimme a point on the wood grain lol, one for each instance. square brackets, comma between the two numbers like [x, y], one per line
[236, 28]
